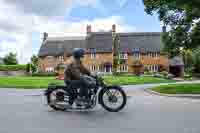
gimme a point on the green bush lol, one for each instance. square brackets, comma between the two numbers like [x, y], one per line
[28, 68]
[12, 67]
[158, 75]
[44, 74]
[164, 73]
[148, 73]
[188, 76]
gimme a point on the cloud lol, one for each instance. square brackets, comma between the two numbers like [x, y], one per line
[20, 18]
[63, 28]
[50, 7]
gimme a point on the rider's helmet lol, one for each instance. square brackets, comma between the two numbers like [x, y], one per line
[78, 53]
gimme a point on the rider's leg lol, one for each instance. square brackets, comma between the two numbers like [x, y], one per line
[84, 88]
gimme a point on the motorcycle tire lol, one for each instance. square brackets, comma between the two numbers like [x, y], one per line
[124, 97]
[48, 96]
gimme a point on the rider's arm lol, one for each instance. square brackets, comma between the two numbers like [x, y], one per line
[85, 70]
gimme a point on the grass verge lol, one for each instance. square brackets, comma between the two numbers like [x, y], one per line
[42, 82]
[178, 89]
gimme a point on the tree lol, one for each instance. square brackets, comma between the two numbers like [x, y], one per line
[34, 63]
[175, 40]
[189, 60]
[34, 60]
[195, 35]
[197, 60]
[180, 15]
[10, 59]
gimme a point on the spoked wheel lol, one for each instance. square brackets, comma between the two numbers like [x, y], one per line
[57, 99]
[113, 99]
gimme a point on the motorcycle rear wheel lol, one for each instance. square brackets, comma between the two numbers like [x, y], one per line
[54, 92]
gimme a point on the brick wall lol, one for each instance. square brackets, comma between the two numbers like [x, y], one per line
[103, 58]
[48, 62]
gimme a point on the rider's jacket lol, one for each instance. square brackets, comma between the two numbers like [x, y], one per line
[74, 70]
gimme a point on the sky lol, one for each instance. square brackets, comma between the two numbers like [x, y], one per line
[22, 22]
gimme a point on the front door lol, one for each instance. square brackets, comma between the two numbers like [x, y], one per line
[176, 70]
[108, 68]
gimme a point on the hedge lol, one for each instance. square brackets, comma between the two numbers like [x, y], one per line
[43, 74]
[12, 67]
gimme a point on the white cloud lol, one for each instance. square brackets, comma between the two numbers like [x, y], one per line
[63, 28]
[50, 7]
[20, 18]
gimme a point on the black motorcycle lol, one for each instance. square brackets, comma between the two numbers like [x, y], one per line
[111, 98]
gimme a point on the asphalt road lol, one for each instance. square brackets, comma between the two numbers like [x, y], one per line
[20, 112]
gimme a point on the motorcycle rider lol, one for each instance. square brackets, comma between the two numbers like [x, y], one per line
[74, 74]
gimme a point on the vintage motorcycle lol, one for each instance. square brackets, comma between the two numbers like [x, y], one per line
[111, 98]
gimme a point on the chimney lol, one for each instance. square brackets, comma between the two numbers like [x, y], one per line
[45, 36]
[164, 29]
[89, 29]
[113, 28]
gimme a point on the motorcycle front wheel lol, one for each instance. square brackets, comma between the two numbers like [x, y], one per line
[113, 99]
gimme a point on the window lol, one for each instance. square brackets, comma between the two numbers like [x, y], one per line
[152, 54]
[61, 59]
[49, 69]
[94, 68]
[153, 68]
[123, 55]
[123, 68]
[136, 53]
[93, 53]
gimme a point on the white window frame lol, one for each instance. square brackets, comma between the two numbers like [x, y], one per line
[123, 55]
[49, 69]
[153, 68]
[123, 68]
[136, 55]
[94, 68]
[61, 59]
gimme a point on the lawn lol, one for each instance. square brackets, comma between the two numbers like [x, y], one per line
[42, 82]
[178, 89]
[27, 82]
[133, 80]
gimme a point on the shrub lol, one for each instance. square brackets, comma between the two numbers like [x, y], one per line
[28, 68]
[44, 74]
[188, 76]
[33, 68]
[12, 67]
[164, 73]
[169, 76]
[158, 75]
[148, 73]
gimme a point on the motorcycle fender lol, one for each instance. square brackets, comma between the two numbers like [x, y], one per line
[50, 89]
[106, 88]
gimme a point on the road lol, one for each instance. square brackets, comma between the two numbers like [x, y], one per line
[144, 113]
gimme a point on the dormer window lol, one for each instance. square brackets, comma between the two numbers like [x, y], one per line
[136, 53]
[123, 55]
[153, 54]
[93, 53]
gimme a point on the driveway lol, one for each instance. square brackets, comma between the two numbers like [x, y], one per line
[144, 113]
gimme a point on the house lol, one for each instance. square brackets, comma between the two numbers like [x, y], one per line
[144, 47]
